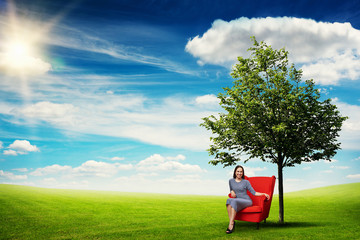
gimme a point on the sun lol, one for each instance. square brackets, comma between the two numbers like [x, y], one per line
[17, 53]
[21, 57]
[20, 47]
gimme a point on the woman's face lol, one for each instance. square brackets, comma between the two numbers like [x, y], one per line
[239, 173]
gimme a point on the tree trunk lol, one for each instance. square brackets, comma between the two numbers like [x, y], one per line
[281, 193]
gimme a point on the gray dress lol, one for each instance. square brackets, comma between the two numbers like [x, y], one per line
[242, 199]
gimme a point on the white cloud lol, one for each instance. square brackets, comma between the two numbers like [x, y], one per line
[350, 133]
[251, 171]
[20, 147]
[1, 145]
[50, 170]
[330, 162]
[97, 169]
[24, 66]
[325, 91]
[89, 168]
[59, 114]
[117, 158]
[331, 70]
[23, 147]
[152, 160]
[171, 166]
[179, 157]
[10, 152]
[327, 162]
[329, 52]
[158, 159]
[353, 176]
[20, 169]
[124, 167]
[170, 122]
[11, 176]
[157, 173]
[207, 99]
[157, 162]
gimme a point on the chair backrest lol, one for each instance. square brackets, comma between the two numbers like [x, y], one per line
[263, 185]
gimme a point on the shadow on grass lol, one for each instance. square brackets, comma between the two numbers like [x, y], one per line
[269, 225]
[290, 224]
[283, 225]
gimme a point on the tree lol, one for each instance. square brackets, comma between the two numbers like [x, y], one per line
[271, 114]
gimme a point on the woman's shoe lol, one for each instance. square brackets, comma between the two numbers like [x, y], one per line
[228, 231]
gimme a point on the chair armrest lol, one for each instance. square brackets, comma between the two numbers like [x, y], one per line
[261, 201]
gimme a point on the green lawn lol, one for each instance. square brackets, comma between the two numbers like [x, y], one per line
[36, 213]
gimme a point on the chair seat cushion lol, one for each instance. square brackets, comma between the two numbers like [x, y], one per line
[252, 209]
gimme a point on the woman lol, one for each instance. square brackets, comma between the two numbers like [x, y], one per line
[240, 199]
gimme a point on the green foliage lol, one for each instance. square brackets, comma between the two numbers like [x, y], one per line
[35, 213]
[271, 114]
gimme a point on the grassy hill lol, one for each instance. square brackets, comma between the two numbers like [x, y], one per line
[36, 213]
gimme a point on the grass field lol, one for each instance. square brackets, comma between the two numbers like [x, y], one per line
[36, 213]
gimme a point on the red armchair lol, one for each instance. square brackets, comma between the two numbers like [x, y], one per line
[261, 206]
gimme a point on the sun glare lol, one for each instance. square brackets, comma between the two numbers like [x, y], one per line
[20, 46]
[18, 49]
[22, 58]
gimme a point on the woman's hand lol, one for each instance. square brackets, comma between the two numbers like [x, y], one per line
[262, 194]
[233, 195]
[267, 196]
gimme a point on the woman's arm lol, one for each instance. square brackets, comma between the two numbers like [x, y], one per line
[263, 194]
[232, 192]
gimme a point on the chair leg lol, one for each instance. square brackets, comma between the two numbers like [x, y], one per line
[265, 220]
[257, 226]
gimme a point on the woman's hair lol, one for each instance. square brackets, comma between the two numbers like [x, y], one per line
[238, 166]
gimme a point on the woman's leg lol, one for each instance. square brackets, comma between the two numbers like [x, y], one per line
[231, 218]
[232, 214]
[228, 207]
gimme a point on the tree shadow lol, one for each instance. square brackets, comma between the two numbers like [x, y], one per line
[283, 225]
[270, 225]
[289, 224]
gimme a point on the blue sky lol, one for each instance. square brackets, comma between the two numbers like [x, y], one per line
[109, 94]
